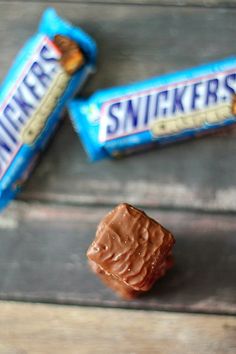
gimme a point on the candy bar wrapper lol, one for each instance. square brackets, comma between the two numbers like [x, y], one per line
[162, 110]
[52, 65]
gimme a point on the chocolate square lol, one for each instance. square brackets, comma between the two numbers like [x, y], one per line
[131, 248]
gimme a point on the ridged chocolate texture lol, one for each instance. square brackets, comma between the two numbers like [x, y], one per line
[115, 284]
[132, 248]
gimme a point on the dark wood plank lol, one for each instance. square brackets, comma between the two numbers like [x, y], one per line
[182, 3]
[194, 175]
[42, 258]
[197, 174]
[128, 50]
[40, 328]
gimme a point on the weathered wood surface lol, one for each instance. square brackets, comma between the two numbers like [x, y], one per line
[42, 247]
[42, 258]
[181, 3]
[38, 328]
[194, 175]
[135, 43]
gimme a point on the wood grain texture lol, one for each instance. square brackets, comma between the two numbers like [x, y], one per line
[27, 328]
[134, 42]
[42, 258]
[197, 174]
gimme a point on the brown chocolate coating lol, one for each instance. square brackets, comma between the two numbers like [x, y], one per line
[132, 248]
[122, 289]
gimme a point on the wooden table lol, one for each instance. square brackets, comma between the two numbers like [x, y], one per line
[190, 187]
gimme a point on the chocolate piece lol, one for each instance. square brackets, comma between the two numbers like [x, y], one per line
[130, 251]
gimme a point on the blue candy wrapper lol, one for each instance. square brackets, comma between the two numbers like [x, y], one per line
[49, 69]
[162, 110]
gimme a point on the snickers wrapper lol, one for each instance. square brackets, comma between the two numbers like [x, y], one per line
[161, 110]
[47, 72]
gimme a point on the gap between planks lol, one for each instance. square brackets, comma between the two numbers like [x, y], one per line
[163, 3]
[29, 212]
[41, 328]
